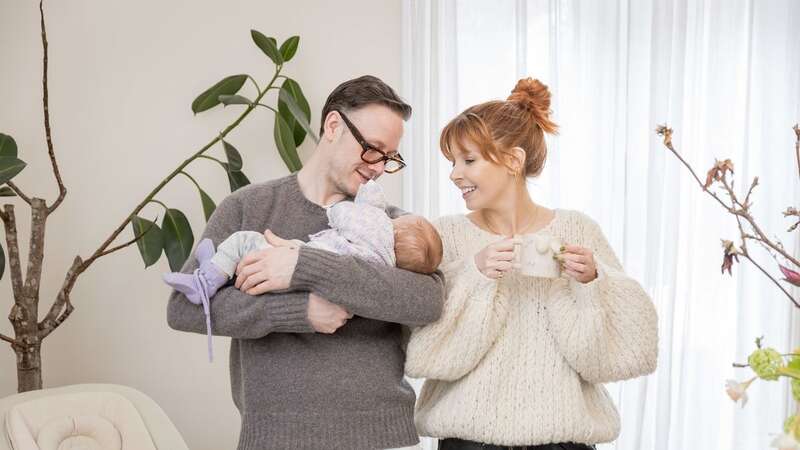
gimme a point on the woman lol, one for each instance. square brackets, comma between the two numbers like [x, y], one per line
[515, 360]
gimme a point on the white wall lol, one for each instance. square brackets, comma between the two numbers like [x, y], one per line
[122, 77]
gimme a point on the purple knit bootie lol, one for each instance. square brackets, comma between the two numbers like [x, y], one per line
[202, 284]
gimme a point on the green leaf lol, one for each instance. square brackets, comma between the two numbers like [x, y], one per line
[151, 241]
[2, 262]
[284, 140]
[267, 45]
[6, 191]
[234, 158]
[234, 100]
[10, 166]
[236, 178]
[301, 128]
[8, 147]
[208, 204]
[210, 98]
[289, 48]
[178, 238]
[293, 106]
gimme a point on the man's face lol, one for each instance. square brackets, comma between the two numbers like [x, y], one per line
[380, 127]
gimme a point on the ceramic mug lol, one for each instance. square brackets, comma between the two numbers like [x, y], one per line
[536, 256]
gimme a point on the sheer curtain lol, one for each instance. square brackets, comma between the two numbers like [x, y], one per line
[725, 75]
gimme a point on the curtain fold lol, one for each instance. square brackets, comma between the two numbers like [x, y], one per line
[725, 75]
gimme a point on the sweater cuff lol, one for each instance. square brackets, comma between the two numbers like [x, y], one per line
[288, 314]
[589, 292]
[316, 271]
[481, 281]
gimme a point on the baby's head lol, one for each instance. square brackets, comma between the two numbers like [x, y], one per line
[417, 244]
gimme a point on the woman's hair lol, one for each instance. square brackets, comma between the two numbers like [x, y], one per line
[497, 126]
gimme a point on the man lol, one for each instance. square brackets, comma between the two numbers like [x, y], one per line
[319, 364]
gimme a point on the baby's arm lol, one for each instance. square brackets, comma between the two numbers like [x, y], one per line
[276, 241]
[235, 247]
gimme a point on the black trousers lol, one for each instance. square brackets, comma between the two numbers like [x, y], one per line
[461, 444]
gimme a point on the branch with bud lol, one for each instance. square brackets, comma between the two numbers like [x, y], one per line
[720, 174]
[767, 363]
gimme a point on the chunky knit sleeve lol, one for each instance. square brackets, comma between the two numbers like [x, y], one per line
[474, 313]
[606, 329]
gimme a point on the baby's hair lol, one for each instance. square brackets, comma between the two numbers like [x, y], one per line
[417, 245]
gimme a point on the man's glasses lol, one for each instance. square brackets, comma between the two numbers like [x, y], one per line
[372, 155]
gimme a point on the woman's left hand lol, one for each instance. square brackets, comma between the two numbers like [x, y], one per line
[578, 262]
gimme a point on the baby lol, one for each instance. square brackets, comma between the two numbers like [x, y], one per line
[359, 228]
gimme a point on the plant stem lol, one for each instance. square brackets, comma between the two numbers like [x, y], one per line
[258, 89]
[158, 202]
[213, 159]
[268, 107]
[55, 315]
[19, 192]
[191, 178]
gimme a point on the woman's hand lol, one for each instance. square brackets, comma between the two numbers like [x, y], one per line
[496, 259]
[578, 262]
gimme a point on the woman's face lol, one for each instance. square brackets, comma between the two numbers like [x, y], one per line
[482, 182]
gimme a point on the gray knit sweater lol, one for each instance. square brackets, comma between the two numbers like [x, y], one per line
[297, 389]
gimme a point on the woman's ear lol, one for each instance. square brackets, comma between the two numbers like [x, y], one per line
[515, 161]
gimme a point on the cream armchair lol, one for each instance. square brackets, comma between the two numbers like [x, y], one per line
[86, 417]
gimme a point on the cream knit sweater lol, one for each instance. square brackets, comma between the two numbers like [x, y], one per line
[521, 361]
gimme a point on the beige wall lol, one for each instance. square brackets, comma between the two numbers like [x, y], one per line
[122, 77]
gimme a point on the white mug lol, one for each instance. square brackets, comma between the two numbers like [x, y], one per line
[536, 256]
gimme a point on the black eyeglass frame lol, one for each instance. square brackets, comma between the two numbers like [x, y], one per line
[366, 147]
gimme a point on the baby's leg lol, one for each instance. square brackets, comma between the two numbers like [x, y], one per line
[235, 247]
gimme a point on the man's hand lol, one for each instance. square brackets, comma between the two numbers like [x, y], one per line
[266, 270]
[324, 316]
[277, 241]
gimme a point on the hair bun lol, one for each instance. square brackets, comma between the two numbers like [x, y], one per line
[533, 96]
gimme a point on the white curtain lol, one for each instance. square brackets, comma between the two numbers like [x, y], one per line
[725, 75]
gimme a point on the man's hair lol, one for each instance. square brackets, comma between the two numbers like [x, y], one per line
[360, 92]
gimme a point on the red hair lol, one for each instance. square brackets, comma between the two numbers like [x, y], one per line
[498, 126]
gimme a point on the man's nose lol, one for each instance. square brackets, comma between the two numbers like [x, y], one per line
[377, 168]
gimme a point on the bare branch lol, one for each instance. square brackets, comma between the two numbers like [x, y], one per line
[667, 134]
[780, 286]
[33, 275]
[62, 308]
[62, 191]
[796, 129]
[11, 341]
[740, 210]
[749, 192]
[14, 265]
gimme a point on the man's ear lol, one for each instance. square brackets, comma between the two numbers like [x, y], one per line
[515, 161]
[333, 127]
